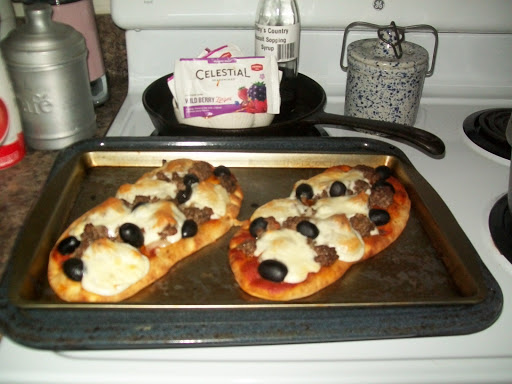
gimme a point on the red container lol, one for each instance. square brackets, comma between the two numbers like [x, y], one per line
[12, 144]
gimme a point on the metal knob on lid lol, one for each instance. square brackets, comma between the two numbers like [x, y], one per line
[385, 75]
[48, 67]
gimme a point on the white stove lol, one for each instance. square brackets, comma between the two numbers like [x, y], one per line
[473, 72]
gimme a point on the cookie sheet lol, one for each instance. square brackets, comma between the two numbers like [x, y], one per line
[429, 282]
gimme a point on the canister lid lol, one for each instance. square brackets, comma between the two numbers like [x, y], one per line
[389, 51]
[374, 52]
[41, 41]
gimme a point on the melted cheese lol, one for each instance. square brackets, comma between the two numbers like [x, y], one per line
[111, 267]
[151, 218]
[290, 248]
[323, 181]
[281, 209]
[210, 195]
[181, 168]
[154, 188]
[155, 217]
[111, 218]
[337, 232]
[348, 205]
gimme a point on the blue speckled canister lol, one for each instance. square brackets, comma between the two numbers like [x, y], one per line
[381, 86]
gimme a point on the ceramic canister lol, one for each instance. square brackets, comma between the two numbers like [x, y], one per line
[381, 86]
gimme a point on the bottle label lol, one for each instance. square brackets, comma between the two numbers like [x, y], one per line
[4, 121]
[281, 41]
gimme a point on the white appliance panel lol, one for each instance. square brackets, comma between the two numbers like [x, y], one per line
[446, 15]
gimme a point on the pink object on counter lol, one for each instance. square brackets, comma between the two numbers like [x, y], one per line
[80, 15]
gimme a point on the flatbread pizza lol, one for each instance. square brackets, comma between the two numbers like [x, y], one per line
[134, 238]
[295, 246]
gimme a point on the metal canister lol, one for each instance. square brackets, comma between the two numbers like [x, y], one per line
[47, 63]
[385, 76]
[509, 139]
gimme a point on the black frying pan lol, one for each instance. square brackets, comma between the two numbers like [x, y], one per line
[309, 110]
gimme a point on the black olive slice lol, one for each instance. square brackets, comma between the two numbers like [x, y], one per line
[190, 179]
[184, 195]
[337, 189]
[131, 234]
[272, 270]
[308, 229]
[221, 170]
[304, 192]
[68, 245]
[379, 216]
[257, 226]
[189, 228]
[74, 268]
[383, 172]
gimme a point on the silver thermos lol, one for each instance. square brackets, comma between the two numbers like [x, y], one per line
[509, 139]
[47, 62]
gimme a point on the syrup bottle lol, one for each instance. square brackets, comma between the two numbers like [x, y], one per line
[277, 33]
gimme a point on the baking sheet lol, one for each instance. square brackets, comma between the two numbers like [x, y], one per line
[431, 270]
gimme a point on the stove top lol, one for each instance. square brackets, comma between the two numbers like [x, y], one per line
[472, 74]
[487, 129]
[500, 225]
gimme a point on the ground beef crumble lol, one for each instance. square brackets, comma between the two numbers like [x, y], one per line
[248, 247]
[138, 200]
[90, 234]
[169, 230]
[368, 172]
[198, 215]
[292, 222]
[202, 170]
[325, 255]
[160, 175]
[381, 196]
[177, 180]
[272, 223]
[360, 186]
[362, 224]
[228, 182]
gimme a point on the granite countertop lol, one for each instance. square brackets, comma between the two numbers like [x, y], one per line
[21, 184]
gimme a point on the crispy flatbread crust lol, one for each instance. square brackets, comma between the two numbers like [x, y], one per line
[161, 259]
[245, 267]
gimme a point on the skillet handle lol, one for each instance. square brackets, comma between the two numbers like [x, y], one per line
[420, 138]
